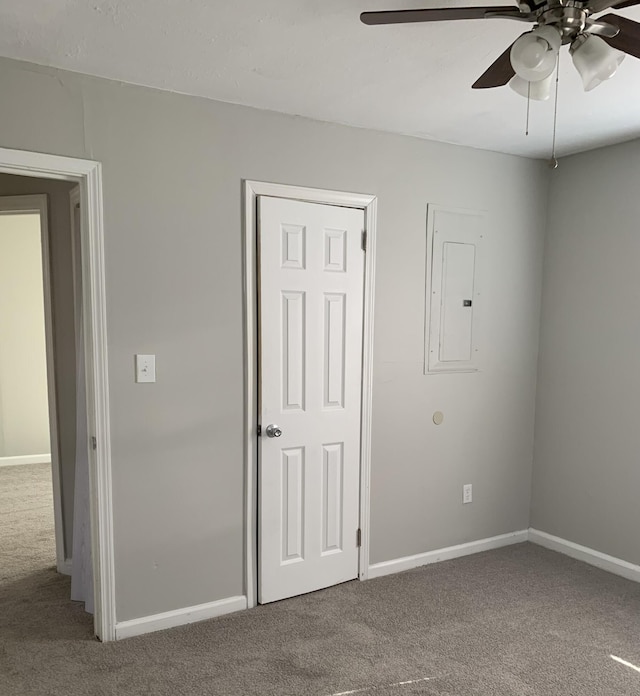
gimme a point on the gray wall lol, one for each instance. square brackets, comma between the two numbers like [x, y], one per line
[63, 326]
[173, 167]
[586, 473]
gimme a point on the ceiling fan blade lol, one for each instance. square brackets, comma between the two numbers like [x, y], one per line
[601, 28]
[596, 6]
[441, 14]
[497, 74]
[628, 40]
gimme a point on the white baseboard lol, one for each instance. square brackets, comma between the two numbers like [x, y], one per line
[399, 564]
[583, 553]
[26, 459]
[66, 567]
[179, 617]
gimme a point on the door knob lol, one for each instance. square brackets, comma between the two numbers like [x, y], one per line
[273, 431]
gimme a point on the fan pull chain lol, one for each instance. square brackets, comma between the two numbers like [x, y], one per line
[526, 132]
[553, 162]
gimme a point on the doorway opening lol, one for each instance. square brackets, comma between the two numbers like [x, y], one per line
[29, 434]
[54, 432]
[42, 410]
[299, 528]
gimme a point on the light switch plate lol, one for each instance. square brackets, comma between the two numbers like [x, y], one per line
[145, 368]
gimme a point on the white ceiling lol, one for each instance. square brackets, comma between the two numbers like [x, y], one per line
[314, 58]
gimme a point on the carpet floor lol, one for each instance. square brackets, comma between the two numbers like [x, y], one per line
[519, 621]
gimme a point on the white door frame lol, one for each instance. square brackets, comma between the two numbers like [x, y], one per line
[20, 205]
[89, 175]
[367, 203]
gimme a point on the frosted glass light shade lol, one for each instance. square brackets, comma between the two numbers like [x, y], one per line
[534, 54]
[539, 90]
[596, 61]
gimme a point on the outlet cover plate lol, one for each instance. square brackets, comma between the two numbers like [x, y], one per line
[145, 368]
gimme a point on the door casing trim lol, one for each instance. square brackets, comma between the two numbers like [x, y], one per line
[367, 203]
[88, 174]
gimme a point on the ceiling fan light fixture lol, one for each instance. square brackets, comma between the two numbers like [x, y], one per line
[534, 54]
[540, 90]
[595, 60]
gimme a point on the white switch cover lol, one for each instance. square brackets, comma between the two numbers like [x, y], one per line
[467, 493]
[145, 368]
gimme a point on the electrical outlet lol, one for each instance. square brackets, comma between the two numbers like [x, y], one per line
[467, 493]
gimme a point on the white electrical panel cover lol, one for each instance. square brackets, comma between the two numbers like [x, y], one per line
[454, 239]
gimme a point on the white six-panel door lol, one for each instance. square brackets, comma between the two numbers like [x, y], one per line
[311, 271]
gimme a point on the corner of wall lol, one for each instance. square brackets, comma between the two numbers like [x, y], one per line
[552, 173]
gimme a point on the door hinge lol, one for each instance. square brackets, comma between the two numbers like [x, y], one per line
[364, 240]
[94, 442]
[359, 538]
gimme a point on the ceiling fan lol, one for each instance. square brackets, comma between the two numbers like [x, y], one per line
[597, 45]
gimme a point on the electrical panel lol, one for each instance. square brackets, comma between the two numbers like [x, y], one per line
[454, 240]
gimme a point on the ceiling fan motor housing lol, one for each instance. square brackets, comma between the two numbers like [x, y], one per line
[570, 21]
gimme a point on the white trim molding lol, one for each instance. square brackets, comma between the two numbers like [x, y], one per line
[397, 565]
[89, 175]
[367, 203]
[583, 553]
[26, 459]
[66, 567]
[179, 617]
[366, 431]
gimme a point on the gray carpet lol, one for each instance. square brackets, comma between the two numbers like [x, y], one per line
[519, 621]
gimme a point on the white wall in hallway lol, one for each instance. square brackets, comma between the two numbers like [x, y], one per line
[24, 407]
